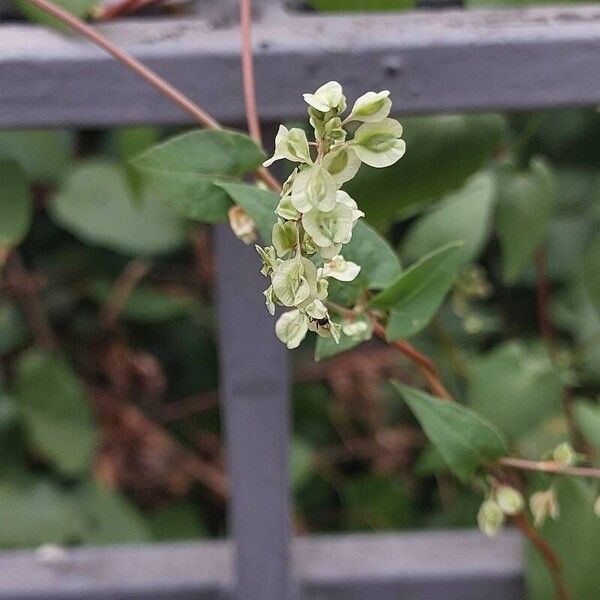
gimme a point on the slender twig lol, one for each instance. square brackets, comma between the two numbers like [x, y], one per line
[549, 467]
[546, 552]
[145, 73]
[132, 274]
[25, 288]
[423, 362]
[119, 9]
[248, 70]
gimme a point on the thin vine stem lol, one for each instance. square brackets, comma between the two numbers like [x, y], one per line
[550, 467]
[248, 80]
[145, 73]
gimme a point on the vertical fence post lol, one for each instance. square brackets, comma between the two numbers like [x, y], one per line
[254, 384]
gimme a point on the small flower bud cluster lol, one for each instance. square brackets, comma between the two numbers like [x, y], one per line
[503, 501]
[544, 504]
[315, 218]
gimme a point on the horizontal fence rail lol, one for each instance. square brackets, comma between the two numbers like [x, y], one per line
[453, 565]
[431, 61]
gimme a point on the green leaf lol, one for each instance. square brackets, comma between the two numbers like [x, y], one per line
[79, 8]
[463, 215]
[12, 455]
[591, 272]
[379, 263]
[55, 411]
[44, 155]
[16, 209]
[415, 297]
[96, 204]
[376, 502]
[516, 388]
[37, 512]
[523, 213]
[587, 417]
[258, 203]
[464, 439]
[183, 171]
[441, 153]
[575, 537]
[109, 517]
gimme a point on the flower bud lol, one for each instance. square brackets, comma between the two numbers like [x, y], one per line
[564, 454]
[341, 269]
[542, 505]
[284, 237]
[371, 107]
[331, 227]
[379, 144]
[490, 518]
[291, 144]
[328, 97]
[242, 224]
[510, 500]
[291, 328]
[359, 329]
[313, 188]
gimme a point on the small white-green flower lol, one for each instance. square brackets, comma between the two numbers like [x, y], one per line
[358, 329]
[269, 259]
[331, 227]
[284, 237]
[510, 500]
[317, 310]
[294, 280]
[242, 224]
[379, 144]
[342, 163]
[371, 107]
[328, 252]
[285, 209]
[292, 327]
[291, 144]
[542, 505]
[322, 288]
[329, 96]
[270, 299]
[341, 269]
[564, 454]
[313, 188]
[490, 518]
[345, 198]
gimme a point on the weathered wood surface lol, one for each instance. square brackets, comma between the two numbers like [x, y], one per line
[451, 565]
[431, 61]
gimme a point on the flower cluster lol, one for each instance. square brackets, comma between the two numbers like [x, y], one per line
[315, 218]
[503, 501]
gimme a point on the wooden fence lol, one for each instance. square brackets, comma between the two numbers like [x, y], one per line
[431, 61]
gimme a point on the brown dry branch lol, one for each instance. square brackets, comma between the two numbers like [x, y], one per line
[25, 288]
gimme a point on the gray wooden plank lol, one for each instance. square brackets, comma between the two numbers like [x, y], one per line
[254, 382]
[454, 565]
[431, 61]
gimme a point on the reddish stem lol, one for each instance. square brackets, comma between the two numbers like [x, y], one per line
[248, 70]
